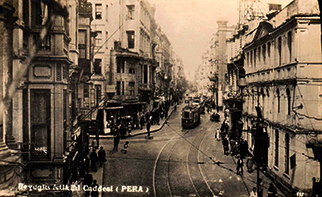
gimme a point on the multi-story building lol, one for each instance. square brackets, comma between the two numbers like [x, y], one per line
[127, 46]
[282, 59]
[219, 59]
[163, 54]
[44, 53]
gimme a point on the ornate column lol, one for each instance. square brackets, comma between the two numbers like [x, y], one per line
[6, 21]
[6, 44]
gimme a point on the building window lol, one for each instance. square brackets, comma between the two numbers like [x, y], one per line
[131, 68]
[98, 11]
[82, 44]
[287, 153]
[276, 147]
[278, 101]
[86, 90]
[122, 87]
[130, 39]
[131, 88]
[268, 49]
[251, 59]
[288, 94]
[264, 53]
[279, 50]
[98, 66]
[25, 14]
[130, 12]
[106, 13]
[289, 44]
[41, 12]
[247, 58]
[98, 89]
[145, 74]
[98, 38]
[40, 123]
[259, 55]
[120, 66]
[255, 54]
[118, 88]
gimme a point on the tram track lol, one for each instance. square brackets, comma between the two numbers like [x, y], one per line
[192, 167]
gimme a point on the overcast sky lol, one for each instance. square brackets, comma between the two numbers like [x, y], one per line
[190, 24]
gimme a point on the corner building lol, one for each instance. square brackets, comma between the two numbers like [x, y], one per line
[283, 71]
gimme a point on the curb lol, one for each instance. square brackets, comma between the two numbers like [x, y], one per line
[137, 134]
[153, 131]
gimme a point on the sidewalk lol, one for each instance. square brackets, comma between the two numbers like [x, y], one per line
[251, 178]
[136, 132]
[98, 176]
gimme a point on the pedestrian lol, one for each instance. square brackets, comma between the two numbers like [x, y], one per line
[81, 168]
[225, 144]
[94, 160]
[116, 142]
[101, 156]
[129, 127]
[94, 192]
[141, 122]
[88, 179]
[86, 161]
[148, 125]
[243, 148]
[272, 191]
[125, 146]
[240, 166]
[253, 193]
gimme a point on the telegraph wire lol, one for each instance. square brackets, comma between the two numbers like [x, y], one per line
[107, 39]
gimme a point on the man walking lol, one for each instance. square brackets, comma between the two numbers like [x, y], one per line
[148, 125]
[225, 144]
[116, 142]
[101, 156]
[240, 166]
[94, 160]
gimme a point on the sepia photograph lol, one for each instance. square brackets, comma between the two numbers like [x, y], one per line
[160, 98]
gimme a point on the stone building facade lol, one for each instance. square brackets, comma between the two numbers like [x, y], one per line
[282, 60]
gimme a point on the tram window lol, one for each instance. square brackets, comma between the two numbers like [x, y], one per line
[186, 114]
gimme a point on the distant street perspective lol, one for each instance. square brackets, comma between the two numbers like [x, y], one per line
[160, 98]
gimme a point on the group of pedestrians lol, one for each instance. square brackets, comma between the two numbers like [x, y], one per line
[238, 147]
[97, 159]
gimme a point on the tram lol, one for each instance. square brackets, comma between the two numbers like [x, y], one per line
[190, 116]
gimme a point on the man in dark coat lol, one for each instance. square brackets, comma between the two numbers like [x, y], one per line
[141, 122]
[101, 156]
[225, 143]
[88, 179]
[94, 193]
[148, 125]
[116, 142]
[94, 159]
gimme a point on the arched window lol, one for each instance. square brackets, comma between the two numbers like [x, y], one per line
[289, 43]
[279, 50]
[287, 154]
[263, 97]
[288, 94]
[278, 101]
[276, 148]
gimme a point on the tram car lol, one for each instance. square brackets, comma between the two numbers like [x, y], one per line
[190, 116]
